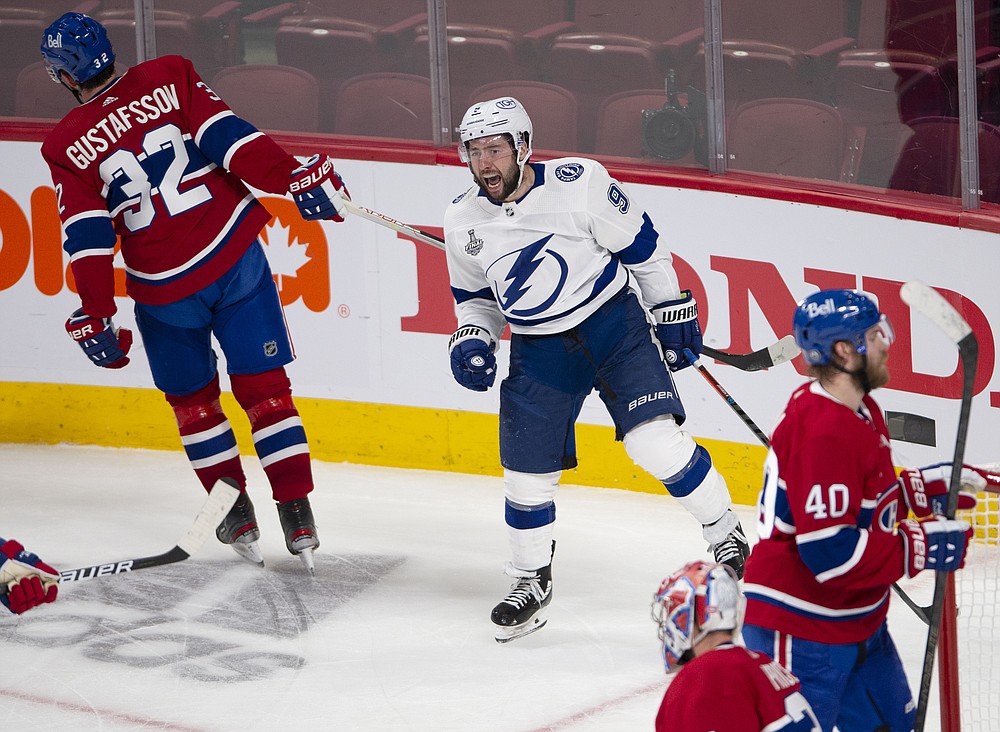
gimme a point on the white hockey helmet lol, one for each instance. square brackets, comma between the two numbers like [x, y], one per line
[503, 116]
[699, 598]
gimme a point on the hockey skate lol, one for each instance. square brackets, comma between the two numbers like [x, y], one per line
[526, 607]
[239, 529]
[733, 550]
[300, 530]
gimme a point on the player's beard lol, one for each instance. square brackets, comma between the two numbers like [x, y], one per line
[878, 374]
[509, 180]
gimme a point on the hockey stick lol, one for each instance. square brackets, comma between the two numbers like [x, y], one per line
[729, 400]
[784, 350]
[939, 311]
[375, 216]
[221, 498]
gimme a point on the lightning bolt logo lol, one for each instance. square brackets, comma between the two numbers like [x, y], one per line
[525, 265]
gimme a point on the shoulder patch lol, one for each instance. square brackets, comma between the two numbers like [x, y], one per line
[568, 172]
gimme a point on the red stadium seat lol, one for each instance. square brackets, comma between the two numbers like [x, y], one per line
[271, 97]
[792, 137]
[37, 96]
[385, 105]
[19, 38]
[214, 30]
[619, 122]
[553, 111]
[930, 161]
[618, 47]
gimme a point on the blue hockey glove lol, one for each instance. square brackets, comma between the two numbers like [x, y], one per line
[472, 361]
[105, 345]
[677, 328]
[937, 544]
[318, 190]
[25, 580]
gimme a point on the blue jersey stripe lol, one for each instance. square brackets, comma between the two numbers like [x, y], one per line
[644, 244]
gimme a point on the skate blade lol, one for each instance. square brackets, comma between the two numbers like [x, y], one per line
[249, 551]
[505, 634]
[306, 555]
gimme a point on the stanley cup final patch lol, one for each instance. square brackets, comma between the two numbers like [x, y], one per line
[474, 245]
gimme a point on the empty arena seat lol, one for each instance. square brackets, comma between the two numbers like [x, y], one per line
[19, 38]
[553, 111]
[619, 47]
[930, 160]
[37, 96]
[791, 137]
[271, 96]
[385, 105]
[619, 122]
[213, 29]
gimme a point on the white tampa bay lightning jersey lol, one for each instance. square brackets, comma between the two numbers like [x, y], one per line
[546, 262]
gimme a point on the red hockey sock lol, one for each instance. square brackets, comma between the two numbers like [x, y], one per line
[207, 436]
[278, 434]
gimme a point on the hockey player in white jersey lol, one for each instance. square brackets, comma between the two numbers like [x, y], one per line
[560, 253]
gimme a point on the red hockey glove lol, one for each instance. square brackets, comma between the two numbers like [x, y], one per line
[925, 490]
[937, 544]
[25, 580]
[105, 345]
[318, 190]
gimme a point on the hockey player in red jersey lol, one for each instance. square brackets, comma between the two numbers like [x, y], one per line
[721, 686]
[154, 156]
[25, 580]
[832, 526]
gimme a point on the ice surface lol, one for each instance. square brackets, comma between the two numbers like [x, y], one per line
[392, 634]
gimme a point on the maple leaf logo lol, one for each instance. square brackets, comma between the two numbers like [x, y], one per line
[286, 255]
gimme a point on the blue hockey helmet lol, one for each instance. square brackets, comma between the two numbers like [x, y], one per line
[78, 45]
[828, 316]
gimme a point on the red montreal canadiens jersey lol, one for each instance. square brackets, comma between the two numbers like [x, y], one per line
[149, 159]
[733, 689]
[828, 552]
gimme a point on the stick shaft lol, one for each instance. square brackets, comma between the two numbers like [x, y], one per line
[216, 506]
[391, 223]
[758, 433]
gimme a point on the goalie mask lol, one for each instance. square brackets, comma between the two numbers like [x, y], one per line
[503, 116]
[78, 45]
[694, 601]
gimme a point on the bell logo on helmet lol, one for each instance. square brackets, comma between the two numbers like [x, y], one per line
[54, 41]
[824, 308]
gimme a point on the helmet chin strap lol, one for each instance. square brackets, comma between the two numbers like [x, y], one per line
[73, 90]
[860, 375]
[520, 166]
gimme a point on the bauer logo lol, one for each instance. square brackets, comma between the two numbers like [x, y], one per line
[569, 172]
[651, 397]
